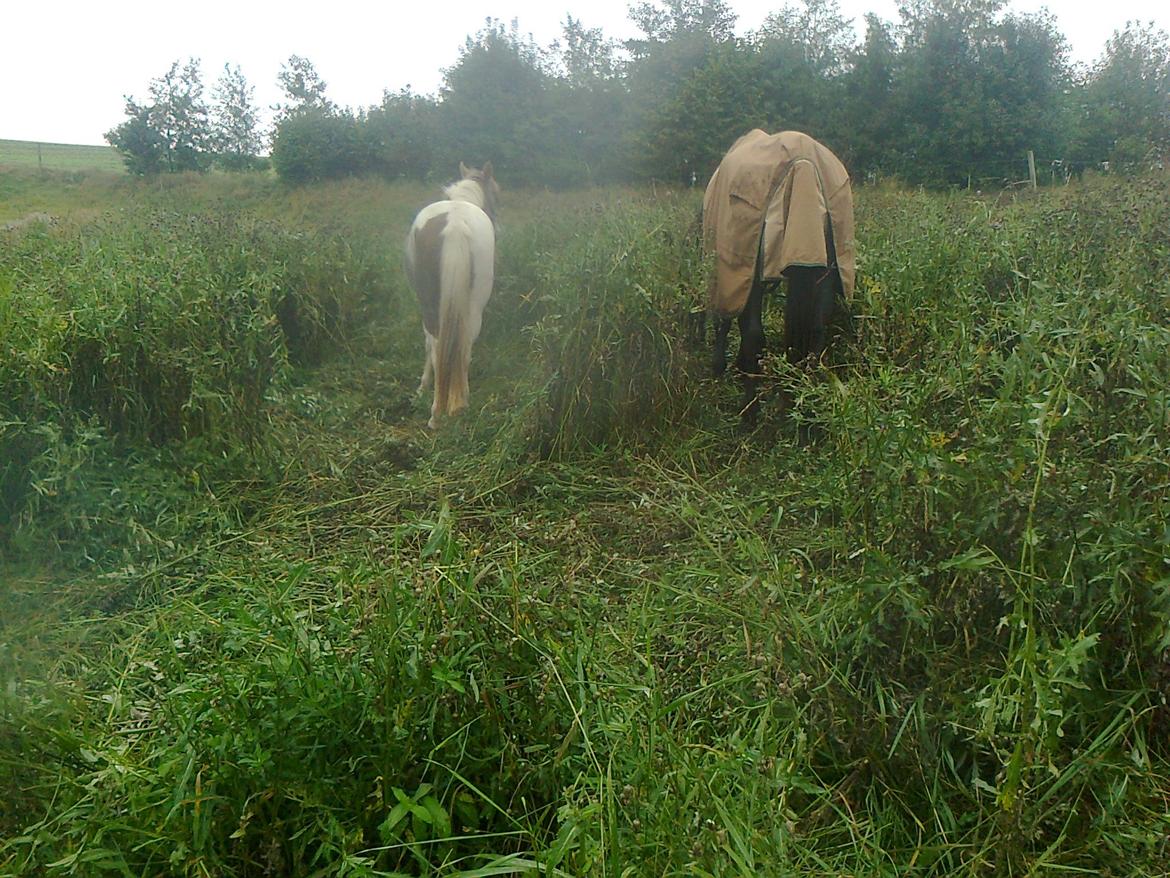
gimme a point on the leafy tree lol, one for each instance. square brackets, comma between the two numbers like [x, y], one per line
[180, 116]
[940, 94]
[139, 142]
[172, 132]
[678, 55]
[873, 132]
[592, 107]
[672, 21]
[1029, 76]
[686, 134]
[586, 55]
[794, 96]
[823, 35]
[400, 134]
[495, 105]
[303, 87]
[1124, 116]
[312, 139]
[974, 93]
[919, 18]
[954, 88]
[804, 52]
[315, 144]
[236, 121]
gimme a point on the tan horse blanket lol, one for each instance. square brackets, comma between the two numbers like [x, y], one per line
[788, 188]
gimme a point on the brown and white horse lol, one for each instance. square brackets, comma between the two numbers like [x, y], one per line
[450, 260]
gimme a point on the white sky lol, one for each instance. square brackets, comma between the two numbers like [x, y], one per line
[65, 66]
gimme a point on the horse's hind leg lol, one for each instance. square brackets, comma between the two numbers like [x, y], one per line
[751, 347]
[428, 366]
[825, 295]
[427, 379]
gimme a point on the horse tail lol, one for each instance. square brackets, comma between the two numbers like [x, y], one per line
[798, 314]
[453, 349]
[808, 308]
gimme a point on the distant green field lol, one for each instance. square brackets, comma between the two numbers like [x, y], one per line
[58, 156]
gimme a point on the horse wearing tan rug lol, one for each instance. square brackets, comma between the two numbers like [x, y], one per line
[450, 261]
[778, 206]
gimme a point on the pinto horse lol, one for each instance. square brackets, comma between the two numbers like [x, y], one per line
[778, 206]
[450, 261]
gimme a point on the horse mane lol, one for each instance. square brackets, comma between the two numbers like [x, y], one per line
[476, 187]
[466, 190]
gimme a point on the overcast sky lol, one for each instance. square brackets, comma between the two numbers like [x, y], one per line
[65, 66]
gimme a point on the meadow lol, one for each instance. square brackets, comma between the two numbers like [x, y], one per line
[15, 154]
[256, 619]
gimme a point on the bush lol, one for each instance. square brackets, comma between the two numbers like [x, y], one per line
[610, 286]
[317, 145]
[153, 331]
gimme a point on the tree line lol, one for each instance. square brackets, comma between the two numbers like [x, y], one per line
[955, 91]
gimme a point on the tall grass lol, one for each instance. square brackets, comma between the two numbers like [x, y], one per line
[605, 286]
[997, 462]
[593, 629]
[157, 329]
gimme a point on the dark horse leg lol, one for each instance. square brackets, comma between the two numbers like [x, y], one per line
[751, 347]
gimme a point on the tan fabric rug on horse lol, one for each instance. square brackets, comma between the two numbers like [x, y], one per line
[791, 188]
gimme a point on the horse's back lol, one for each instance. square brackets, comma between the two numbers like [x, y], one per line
[780, 196]
[477, 222]
[424, 250]
[435, 222]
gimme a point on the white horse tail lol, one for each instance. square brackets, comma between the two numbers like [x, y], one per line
[453, 348]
